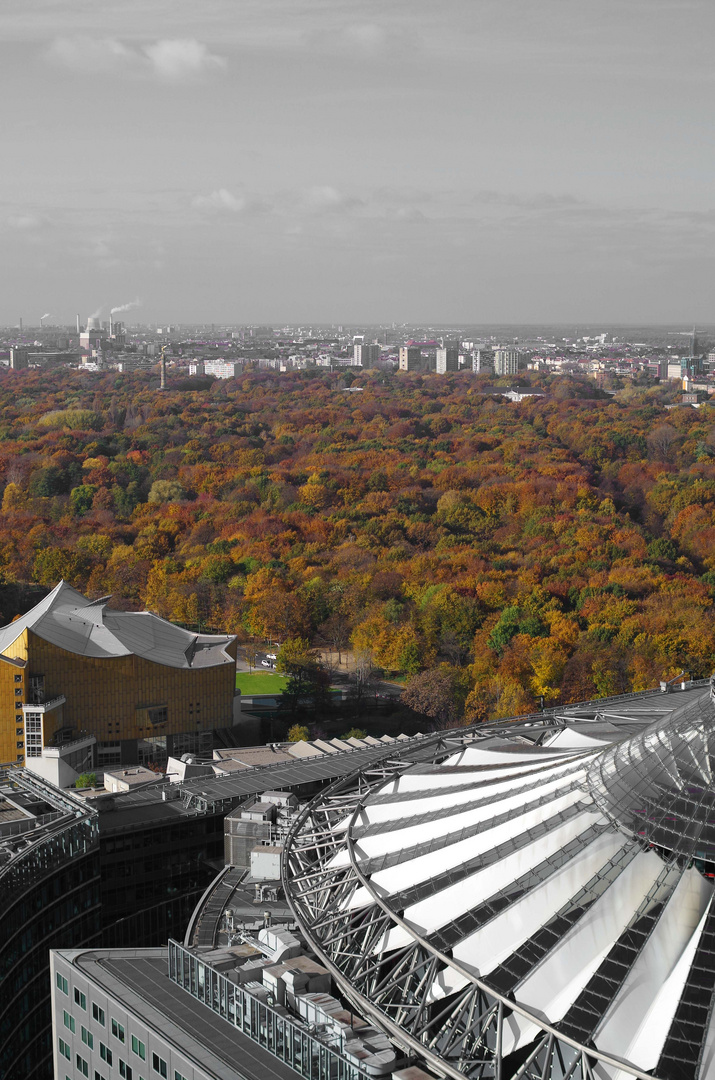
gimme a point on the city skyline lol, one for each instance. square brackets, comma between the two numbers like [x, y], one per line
[352, 161]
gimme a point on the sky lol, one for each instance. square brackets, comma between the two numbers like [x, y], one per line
[348, 161]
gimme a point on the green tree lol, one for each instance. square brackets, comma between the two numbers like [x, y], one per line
[86, 780]
[81, 499]
[298, 733]
[307, 679]
[163, 491]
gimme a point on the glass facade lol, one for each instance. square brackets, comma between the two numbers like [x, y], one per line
[285, 1037]
[49, 892]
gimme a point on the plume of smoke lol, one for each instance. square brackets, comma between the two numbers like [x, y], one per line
[46, 316]
[126, 307]
[95, 314]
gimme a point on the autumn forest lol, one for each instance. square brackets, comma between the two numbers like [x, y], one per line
[562, 548]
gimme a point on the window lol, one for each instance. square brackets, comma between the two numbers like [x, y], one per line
[19, 731]
[98, 1014]
[19, 745]
[178, 1075]
[88, 1038]
[98, 1075]
[105, 1053]
[80, 998]
[18, 718]
[18, 678]
[33, 734]
[65, 1049]
[82, 1065]
[109, 753]
[37, 689]
[125, 1070]
[138, 1048]
[159, 1065]
[18, 691]
[69, 1021]
[117, 1031]
[20, 757]
[62, 983]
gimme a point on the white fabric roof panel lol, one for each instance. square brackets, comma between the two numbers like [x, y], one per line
[69, 621]
[423, 831]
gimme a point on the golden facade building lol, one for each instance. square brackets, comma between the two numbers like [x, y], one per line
[141, 685]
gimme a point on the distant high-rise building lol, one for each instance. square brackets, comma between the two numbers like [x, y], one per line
[18, 359]
[446, 360]
[482, 360]
[507, 361]
[365, 356]
[410, 358]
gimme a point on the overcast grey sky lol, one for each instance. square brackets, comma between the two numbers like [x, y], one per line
[358, 160]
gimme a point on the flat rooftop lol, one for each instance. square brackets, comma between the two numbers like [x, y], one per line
[140, 980]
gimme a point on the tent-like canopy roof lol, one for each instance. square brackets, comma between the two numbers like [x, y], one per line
[546, 906]
[70, 621]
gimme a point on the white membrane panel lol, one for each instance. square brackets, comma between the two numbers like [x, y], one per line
[553, 986]
[546, 781]
[446, 906]
[637, 1017]
[500, 937]
[425, 867]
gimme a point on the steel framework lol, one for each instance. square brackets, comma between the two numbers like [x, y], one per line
[462, 1034]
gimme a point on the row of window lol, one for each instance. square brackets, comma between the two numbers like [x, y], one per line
[158, 1063]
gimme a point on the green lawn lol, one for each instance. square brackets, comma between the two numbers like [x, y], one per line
[259, 682]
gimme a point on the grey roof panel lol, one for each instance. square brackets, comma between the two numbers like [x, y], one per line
[69, 621]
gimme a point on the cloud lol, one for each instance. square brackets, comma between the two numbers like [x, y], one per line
[168, 60]
[323, 199]
[182, 58]
[223, 201]
[25, 222]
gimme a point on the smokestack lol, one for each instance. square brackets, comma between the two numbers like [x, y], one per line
[162, 383]
[79, 326]
[110, 324]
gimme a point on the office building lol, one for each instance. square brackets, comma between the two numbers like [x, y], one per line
[49, 889]
[482, 360]
[223, 369]
[507, 361]
[128, 869]
[141, 685]
[365, 356]
[446, 360]
[410, 358]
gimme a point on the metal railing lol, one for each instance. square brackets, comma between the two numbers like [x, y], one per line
[286, 1037]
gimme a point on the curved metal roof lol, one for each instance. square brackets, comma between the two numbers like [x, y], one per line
[69, 621]
[534, 911]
